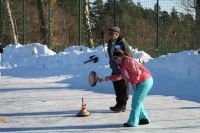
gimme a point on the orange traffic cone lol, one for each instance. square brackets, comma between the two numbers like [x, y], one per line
[83, 112]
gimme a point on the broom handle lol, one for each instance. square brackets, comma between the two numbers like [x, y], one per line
[82, 101]
[103, 41]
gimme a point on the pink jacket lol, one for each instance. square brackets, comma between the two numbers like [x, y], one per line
[132, 71]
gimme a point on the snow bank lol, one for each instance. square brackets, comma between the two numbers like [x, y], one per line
[182, 65]
[37, 56]
[20, 55]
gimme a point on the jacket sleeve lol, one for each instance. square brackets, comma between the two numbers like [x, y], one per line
[115, 77]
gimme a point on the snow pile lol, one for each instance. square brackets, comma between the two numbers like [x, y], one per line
[37, 56]
[176, 75]
[182, 65]
[141, 56]
[21, 55]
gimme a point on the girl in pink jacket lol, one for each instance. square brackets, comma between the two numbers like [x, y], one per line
[141, 81]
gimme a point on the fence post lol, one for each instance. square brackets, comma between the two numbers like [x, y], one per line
[23, 21]
[1, 20]
[157, 34]
[49, 24]
[80, 5]
[114, 13]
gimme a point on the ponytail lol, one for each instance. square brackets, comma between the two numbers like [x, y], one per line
[127, 53]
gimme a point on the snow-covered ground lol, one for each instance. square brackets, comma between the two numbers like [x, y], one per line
[41, 91]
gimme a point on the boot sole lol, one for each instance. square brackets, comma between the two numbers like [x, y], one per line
[118, 111]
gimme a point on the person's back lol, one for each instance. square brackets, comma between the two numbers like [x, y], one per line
[133, 71]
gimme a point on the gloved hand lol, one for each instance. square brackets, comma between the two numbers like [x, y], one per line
[100, 79]
[103, 79]
[107, 78]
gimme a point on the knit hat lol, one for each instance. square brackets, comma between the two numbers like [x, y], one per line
[118, 53]
[114, 29]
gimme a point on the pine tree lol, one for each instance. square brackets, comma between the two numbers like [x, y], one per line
[189, 6]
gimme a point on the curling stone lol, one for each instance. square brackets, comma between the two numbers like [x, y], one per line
[83, 112]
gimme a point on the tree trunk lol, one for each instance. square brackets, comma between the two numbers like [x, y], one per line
[197, 42]
[11, 22]
[43, 26]
[87, 22]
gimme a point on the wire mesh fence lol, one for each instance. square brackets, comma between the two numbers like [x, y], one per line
[175, 25]
[155, 26]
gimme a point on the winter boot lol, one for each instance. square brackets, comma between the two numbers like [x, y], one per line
[127, 125]
[114, 107]
[143, 121]
[120, 108]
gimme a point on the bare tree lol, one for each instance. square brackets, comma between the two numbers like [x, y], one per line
[14, 35]
[194, 5]
[87, 22]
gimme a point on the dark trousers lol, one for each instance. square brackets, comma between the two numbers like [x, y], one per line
[121, 92]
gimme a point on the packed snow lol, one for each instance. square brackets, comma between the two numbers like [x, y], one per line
[41, 91]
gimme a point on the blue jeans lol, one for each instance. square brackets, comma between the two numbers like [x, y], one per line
[138, 112]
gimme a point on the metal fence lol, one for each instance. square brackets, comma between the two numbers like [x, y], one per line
[160, 34]
[170, 35]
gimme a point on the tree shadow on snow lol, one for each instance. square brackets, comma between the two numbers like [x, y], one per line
[65, 113]
[32, 89]
[65, 128]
